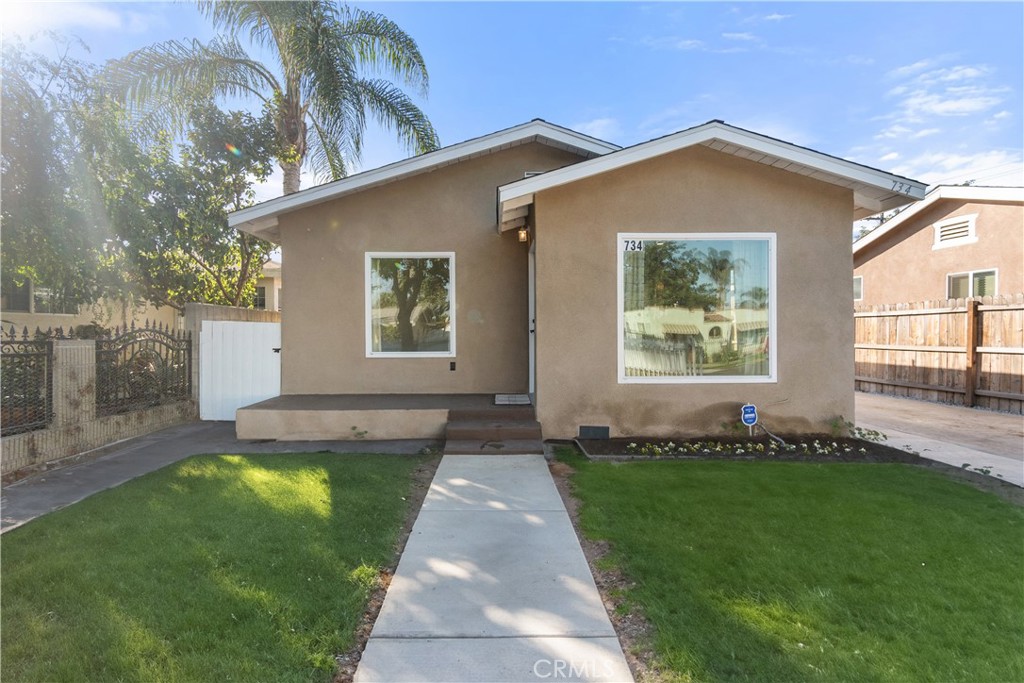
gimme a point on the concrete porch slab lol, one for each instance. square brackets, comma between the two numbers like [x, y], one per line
[330, 417]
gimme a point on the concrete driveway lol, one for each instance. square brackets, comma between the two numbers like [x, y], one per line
[954, 435]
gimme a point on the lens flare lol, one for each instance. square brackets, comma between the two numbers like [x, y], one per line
[231, 148]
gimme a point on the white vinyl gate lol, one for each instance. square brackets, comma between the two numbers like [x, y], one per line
[237, 366]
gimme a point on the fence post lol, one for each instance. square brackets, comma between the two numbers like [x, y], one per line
[971, 369]
[74, 381]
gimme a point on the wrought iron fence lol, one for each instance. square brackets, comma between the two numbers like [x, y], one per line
[26, 382]
[141, 368]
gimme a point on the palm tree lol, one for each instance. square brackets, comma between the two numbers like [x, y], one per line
[316, 91]
[720, 267]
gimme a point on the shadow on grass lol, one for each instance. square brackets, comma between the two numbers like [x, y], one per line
[217, 568]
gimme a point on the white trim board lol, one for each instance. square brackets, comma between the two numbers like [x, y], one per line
[260, 219]
[874, 190]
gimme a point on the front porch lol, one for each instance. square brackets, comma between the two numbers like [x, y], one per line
[339, 417]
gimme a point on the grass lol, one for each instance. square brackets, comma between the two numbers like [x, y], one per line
[778, 571]
[221, 567]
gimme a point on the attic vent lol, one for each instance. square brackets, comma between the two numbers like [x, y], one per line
[530, 174]
[955, 231]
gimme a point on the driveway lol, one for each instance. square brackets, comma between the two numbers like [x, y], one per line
[954, 435]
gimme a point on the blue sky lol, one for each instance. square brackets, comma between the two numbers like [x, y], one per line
[927, 90]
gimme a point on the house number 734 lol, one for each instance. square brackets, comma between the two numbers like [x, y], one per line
[632, 245]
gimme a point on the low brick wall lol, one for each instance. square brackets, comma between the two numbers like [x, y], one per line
[61, 441]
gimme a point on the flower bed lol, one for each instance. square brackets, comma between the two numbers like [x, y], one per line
[804, 447]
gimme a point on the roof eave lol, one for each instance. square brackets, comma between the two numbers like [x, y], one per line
[874, 190]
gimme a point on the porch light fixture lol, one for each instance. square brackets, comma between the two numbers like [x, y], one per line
[524, 234]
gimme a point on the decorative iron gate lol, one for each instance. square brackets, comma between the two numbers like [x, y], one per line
[141, 368]
[26, 383]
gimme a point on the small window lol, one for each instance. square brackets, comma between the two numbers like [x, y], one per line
[410, 304]
[16, 297]
[715, 333]
[46, 300]
[973, 284]
[261, 298]
[953, 232]
[858, 287]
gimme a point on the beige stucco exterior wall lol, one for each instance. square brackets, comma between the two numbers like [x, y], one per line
[449, 209]
[903, 267]
[692, 190]
[105, 312]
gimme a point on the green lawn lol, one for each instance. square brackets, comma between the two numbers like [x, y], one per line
[218, 568]
[778, 571]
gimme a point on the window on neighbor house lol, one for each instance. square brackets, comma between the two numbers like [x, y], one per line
[973, 284]
[16, 298]
[46, 300]
[696, 307]
[261, 298]
[410, 300]
[953, 232]
[858, 287]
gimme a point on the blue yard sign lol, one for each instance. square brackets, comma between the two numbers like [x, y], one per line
[749, 415]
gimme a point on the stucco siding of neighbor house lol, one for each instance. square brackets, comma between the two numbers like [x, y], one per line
[106, 313]
[451, 209]
[695, 190]
[904, 267]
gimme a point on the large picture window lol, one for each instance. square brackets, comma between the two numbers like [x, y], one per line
[696, 307]
[410, 304]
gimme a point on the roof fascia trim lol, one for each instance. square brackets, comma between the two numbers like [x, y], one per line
[965, 192]
[518, 134]
[715, 130]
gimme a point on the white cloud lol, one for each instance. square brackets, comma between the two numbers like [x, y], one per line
[777, 17]
[999, 116]
[992, 167]
[740, 36]
[671, 43]
[891, 156]
[925, 133]
[26, 18]
[954, 102]
[605, 128]
[910, 69]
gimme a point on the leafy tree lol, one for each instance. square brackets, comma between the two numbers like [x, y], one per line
[415, 281]
[49, 233]
[672, 277]
[756, 298]
[316, 94]
[169, 215]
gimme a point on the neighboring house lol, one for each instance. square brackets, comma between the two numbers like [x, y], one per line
[268, 287]
[958, 242]
[37, 307]
[652, 289]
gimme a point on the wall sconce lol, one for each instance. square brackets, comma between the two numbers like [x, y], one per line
[524, 234]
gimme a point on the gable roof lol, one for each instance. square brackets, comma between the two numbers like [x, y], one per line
[962, 192]
[873, 190]
[261, 219]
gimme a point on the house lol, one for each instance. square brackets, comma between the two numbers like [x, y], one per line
[28, 306]
[651, 289]
[959, 242]
[268, 287]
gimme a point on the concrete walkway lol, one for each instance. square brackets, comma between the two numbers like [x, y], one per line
[492, 586]
[29, 498]
[949, 434]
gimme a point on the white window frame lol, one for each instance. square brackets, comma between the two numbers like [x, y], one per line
[861, 297]
[972, 235]
[970, 281]
[773, 355]
[370, 255]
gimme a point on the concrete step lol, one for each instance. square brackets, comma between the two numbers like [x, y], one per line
[492, 430]
[493, 413]
[483, 447]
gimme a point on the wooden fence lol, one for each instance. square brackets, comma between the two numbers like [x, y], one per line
[965, 351]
